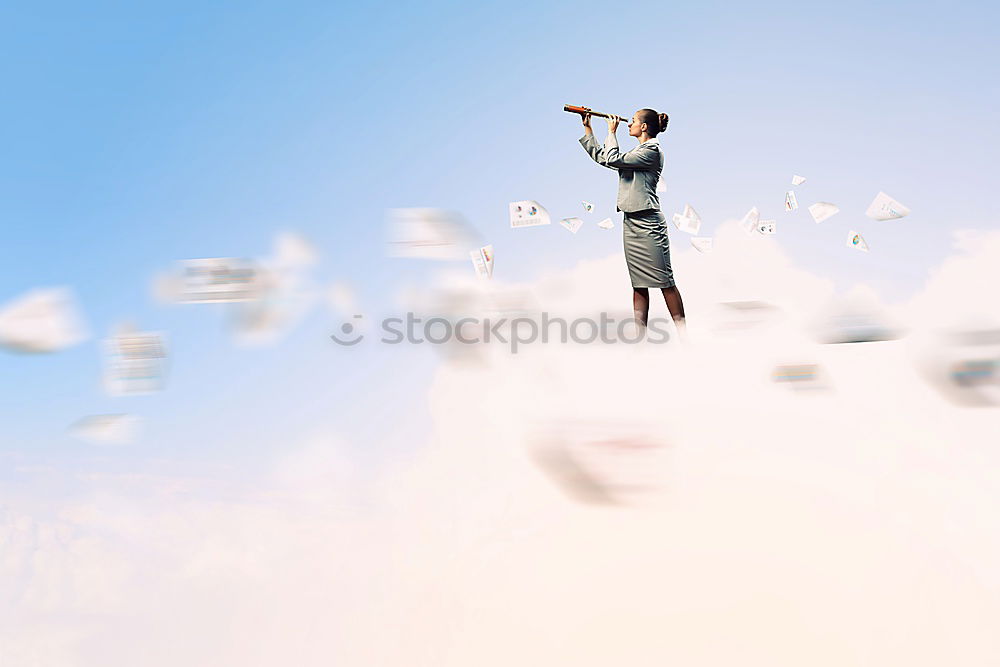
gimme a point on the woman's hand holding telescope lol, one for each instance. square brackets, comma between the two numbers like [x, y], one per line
[586, 113]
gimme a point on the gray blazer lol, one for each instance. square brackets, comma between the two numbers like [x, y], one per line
[638, 170]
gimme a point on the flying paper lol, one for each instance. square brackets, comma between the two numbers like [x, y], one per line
[749, 222]
[606, 224]
[602, 463]
[587, 206]
[216, 280]
[798, 180]
[964, 365]
[790, 203]
[117, 429]
[884, 207]
[134, 362]
[689, 221]
[702, 243]
[822, 210]
[801, 376]
[482, 260]
[572, 224]
[293, 251]
[429, 233]
[766, 227]
[854, 240]
[42, 320]
[528, 213]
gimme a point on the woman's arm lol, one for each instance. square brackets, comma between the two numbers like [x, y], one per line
[590, 144]
[611, 157]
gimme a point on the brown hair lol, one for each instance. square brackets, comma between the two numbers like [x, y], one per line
[655, 122]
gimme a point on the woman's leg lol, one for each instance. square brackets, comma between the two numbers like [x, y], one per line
[675, 305]
[640, 304]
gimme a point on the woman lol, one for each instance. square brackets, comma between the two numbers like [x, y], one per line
[647, 248]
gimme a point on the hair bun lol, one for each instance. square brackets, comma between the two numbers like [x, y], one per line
[663, 121]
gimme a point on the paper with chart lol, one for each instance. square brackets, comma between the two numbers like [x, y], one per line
[527, 213]
[482, 261]
[790, 202]
[855, 240]
[884, 207]
[572, 224]
[750, 220]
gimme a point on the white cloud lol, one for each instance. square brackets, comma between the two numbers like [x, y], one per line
[858, 520]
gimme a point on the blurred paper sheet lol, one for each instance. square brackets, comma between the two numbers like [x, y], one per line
[798, 180]
[855, 240]
[116, 429]
[213, 280]
[429, 233]
[134, 363]
[41, 320]
[528, 213]
[587, 206]
[822, 210]
[602, 463]
[702, 244]
[750, 220]
[606, 224]
[884, 207]
[292, 250]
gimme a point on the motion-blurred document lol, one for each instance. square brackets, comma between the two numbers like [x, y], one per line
[429, 233]
[42, 320]
[213, 280]
[116, 429]
[134, 362]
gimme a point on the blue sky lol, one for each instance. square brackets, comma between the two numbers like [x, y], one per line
[136, 135]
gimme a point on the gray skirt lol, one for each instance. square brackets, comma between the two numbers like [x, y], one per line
[647, 249]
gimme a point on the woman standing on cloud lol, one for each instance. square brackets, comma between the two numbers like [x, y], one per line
[647, 248]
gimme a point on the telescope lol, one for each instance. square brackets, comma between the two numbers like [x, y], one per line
[585, 110]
